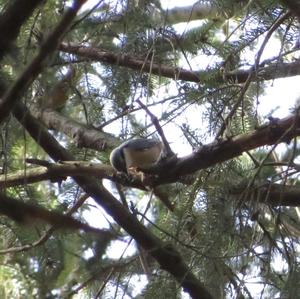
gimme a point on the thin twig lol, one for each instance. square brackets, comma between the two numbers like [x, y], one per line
[159, 129]
[252, 73]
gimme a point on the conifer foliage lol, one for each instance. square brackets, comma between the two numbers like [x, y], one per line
[217, 217]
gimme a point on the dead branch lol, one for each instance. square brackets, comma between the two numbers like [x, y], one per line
[158, 128]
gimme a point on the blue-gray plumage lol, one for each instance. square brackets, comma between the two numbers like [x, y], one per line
[136, 153]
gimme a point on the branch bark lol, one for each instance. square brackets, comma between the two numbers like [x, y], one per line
[83, 135]
[208, 155]
[11, 21]
[272, 194]
[55, 173]
[270, 72]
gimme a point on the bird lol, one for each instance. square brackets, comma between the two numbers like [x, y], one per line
[58, 95]
[134, 154]
[140, 153]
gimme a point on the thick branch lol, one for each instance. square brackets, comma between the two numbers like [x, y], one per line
[11, 20]
[221, 151]
[130, 62]
[55, 173]
[278, 195]
[278, 70]
[277, 131]
[82, 135]
[270, 72]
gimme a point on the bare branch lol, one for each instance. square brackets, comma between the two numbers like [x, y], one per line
[130, 62]
[158, 129]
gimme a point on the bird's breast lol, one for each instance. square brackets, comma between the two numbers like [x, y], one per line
[141, 158]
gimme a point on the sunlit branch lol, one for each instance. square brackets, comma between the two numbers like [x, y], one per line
[82, 135]
[270, 72]
[276, 131]
[55, 173]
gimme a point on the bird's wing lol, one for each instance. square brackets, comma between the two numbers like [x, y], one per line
[142, 144]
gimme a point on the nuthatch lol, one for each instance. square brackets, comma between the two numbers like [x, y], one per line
[136, 153]
[140, 153]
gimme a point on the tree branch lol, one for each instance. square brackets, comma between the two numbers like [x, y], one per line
[220, 151]
[83, 135]
[208, 155]
[48, 233]
[271, 72]
[13, 95]
[130, 62]
[55, 173]
[200, 10]
[26, 213]
[11, 20]
[272, 194]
